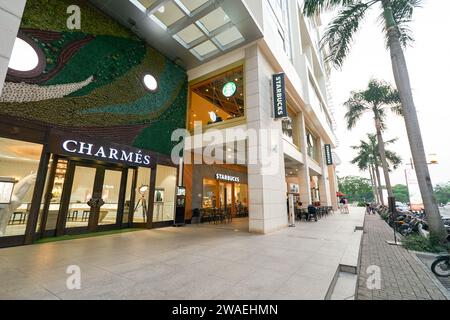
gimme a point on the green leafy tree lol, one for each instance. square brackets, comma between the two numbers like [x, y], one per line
[356, 189]
[401, 193]
[396, 16]
[368, 158]
[443, 193]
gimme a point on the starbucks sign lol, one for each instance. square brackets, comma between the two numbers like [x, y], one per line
[229, 89]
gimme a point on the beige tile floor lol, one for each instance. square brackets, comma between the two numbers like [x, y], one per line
[195, 262]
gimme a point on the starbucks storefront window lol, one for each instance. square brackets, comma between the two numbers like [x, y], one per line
[19, 162]
[225, 195]
[218, 99]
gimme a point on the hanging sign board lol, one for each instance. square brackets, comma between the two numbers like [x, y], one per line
[415, 197]
[279, 96]
[328, 155]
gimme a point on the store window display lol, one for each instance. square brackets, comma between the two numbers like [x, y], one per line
[19, 163]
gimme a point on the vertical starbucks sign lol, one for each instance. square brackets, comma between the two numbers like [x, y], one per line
[328, 155]
[279, 96]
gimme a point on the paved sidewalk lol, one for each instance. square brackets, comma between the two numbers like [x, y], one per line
[207, 262]
[402, 276]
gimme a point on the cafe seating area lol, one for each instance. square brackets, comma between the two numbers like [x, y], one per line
[305, 215]
[221, 215]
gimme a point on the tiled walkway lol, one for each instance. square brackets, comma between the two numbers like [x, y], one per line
[402, 275]
[185, 263]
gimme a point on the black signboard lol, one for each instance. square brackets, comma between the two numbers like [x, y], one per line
[181, 206]
[279, 96]
[328, 155]
[89, 148]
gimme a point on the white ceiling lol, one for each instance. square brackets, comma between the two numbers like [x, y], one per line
[189, 32]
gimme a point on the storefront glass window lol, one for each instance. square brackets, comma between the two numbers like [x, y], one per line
[111, 193]
[82, 193]
[166, 183]
[55, 201]
[142, 195]
[19, 162]
[218, 99]
[226, 195]
[209, 194]
[312, 146]
[241, 193]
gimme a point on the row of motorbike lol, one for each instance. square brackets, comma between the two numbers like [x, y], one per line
[407, 223]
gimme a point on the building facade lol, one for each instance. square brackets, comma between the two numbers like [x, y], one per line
[289, 154]
[86, 128]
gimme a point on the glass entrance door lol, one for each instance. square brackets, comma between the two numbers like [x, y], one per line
[79, 212]
[226, 195]
[93, 196]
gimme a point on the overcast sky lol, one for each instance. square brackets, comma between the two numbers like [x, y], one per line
[429, 67]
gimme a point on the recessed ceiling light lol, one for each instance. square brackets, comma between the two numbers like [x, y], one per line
[150, 82]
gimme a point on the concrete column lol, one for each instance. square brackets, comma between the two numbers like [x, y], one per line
[324, 181]
[333, 186]
[266, 173]
[305, 181]
[10, 18]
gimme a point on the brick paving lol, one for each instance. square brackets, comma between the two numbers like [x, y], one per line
[402, 276]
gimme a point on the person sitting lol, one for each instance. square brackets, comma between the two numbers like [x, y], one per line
[312, 211]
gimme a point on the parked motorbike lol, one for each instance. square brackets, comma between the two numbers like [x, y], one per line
[441, 267]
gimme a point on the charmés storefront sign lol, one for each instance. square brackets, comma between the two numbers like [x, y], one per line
[91, 149]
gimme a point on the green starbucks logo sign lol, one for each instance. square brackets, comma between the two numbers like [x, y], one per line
[229, 89]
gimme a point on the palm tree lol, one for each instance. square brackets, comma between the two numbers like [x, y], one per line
[396, 15]
[368, 159]
[365, 162]
[376, 99]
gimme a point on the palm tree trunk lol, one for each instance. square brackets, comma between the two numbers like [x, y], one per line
[382, 150]
[403, 82]
[380, 185]
[372, 182]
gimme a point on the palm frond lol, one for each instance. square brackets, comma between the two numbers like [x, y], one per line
[394, 159]
[339, 34]
[313, 7]
[356, 108]
[403, 11]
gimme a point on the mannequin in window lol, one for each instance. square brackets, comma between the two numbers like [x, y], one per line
[20, 191]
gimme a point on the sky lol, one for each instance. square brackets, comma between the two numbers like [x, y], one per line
[429, 67]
